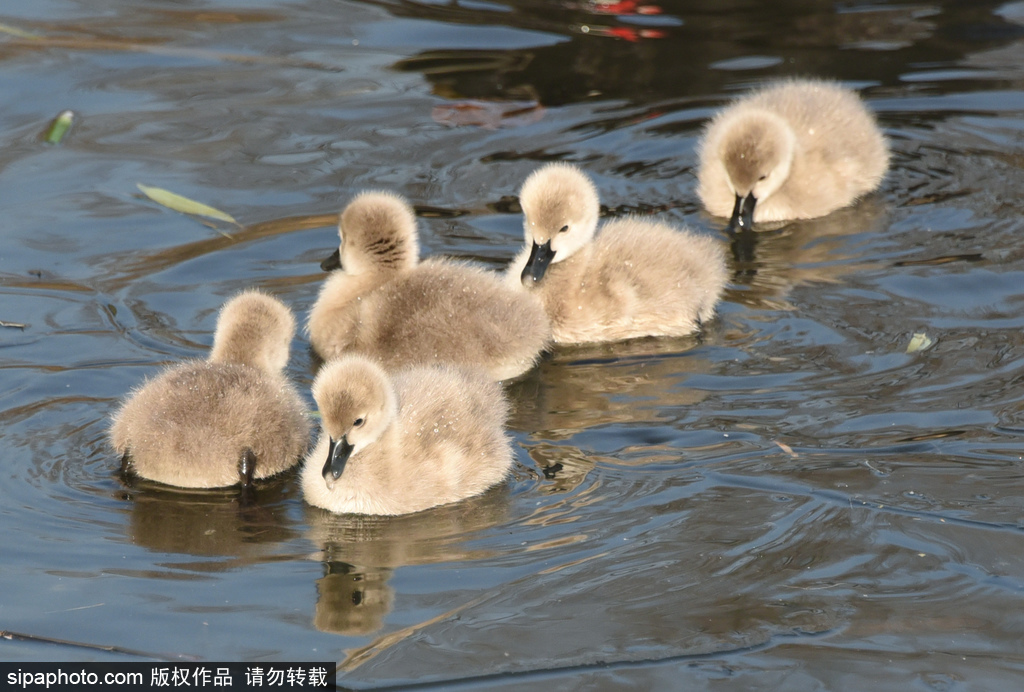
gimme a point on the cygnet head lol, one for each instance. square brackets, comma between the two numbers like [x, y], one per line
[757, 153]
[560, 209]
[357, 403]
[254, 329]
[378, 233]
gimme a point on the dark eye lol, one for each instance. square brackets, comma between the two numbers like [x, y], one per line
[564, 228]
[763, 177]
[358, 422]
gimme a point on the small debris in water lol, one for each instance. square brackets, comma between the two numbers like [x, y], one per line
[786, 448]
[919, 342]
[13, 325]
[490, 115]
[20, 33]
[59, 127]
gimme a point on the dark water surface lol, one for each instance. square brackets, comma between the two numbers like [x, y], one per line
[791, 502]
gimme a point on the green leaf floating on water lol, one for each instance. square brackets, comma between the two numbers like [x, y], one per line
[919, 342]
[59, 127]
[185, 205]
[15, 31]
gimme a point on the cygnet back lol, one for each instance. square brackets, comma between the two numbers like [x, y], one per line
[380, 302]
[229, 419]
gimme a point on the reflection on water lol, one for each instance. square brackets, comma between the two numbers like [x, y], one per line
[580, 387]
[788, 501]
[359, 554]
[768, 264]
[435, 535]
[595, 387]
[210, 522]
[351, 599]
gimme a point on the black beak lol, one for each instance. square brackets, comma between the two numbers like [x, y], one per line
[743, 214]
[540, 258]
[337, 457]
[333, 262]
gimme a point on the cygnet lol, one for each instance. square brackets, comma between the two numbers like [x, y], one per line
[797, 149]
[635, 278]
[381, 301]
[393, 445]
[228, 419]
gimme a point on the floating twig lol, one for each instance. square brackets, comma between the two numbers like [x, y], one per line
[7, 634]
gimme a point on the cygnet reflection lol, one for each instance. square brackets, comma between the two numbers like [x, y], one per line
[352, 600]
[767, 264]
[211, 522]
[360, 552]
[581, 388]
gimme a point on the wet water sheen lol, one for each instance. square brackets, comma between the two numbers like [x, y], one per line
[791, 501]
